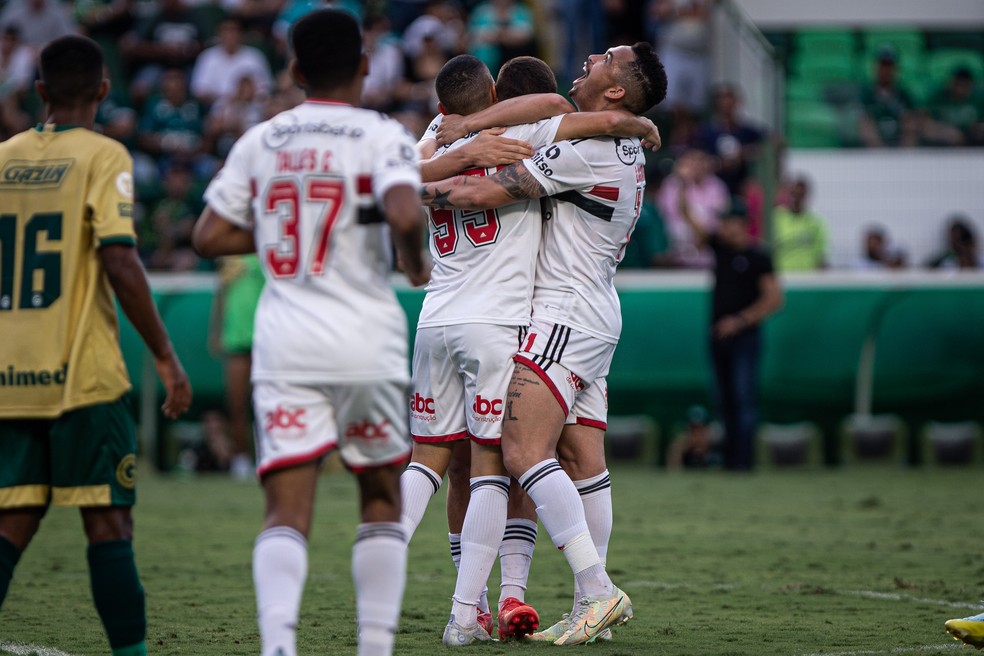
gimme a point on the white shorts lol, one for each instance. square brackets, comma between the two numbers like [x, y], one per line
[568, 361]
[591, 406]
[298, 423]
[460, 377]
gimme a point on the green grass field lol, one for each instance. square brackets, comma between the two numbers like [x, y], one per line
[861, 560]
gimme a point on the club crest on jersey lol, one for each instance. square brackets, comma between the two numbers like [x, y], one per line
[575, 382]
[286, 422]
[627, 150]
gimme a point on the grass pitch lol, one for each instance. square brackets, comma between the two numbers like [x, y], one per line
[860, 560]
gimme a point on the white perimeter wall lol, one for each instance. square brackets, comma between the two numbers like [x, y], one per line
[912, 193]
[780, 14]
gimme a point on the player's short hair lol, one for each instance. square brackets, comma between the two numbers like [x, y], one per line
[462, 85]
[644, 80]
[71, 68]
[524, 75]
[327, 47]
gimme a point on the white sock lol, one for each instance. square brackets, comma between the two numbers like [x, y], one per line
[515, 554]
[481, 534]
[596, 497]
[418, 484]
[379, 570]
[455, 540]
[279, 571]
[560, 509]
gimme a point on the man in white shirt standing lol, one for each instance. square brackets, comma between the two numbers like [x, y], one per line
[219, 69]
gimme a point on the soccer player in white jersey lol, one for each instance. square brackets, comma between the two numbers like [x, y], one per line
[305, 189]
[595, 188]
[472, 321]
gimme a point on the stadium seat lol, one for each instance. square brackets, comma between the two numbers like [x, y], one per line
[942, 63]
[952, 443]
[824, 41]
[813, 125]
[969, 39]
[825, 67]
[789, 445]
[798, 89]
[874, 438]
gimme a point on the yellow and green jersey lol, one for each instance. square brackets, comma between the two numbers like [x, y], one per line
[64, 193]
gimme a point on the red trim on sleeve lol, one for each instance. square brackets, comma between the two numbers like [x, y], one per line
[546, 379]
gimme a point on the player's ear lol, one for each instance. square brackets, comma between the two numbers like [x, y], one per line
[364, 64]
[615, 93]
[440, 108]
[296, 74]
[103, 90]
[492, 92]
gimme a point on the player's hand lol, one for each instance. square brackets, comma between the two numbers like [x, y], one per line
[651, 140]
[489, 149]
[176, 386]
[451, 129]
[729, 326]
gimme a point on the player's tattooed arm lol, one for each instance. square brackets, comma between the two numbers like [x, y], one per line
[509, 185]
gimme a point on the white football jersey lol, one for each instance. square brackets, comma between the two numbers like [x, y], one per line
[309, 183]
[484, 259]
[595, 188]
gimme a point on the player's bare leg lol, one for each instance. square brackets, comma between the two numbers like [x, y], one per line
[280, 558]
[379, 560]
[17, 527]
[532, 425]
[238, 394]
[422, 479]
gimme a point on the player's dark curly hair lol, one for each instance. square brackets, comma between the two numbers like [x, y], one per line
[644, 80]
[71, 68]
[328, 48]
[463, 84]
[524, 75]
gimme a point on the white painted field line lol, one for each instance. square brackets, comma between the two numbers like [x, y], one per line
[895, 596]
[896, 650]
[19, 649]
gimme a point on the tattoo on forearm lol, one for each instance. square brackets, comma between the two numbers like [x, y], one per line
[431, 195]
[518, 182]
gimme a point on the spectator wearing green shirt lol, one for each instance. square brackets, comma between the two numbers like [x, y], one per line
[889, 117]
[799, 235]
[956, 112]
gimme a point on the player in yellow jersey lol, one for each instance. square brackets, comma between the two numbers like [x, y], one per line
[66, 244]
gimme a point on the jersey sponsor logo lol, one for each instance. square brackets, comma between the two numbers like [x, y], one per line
[12, 377]
[27, 173]
[367, 430]
[627, 150]
[422, 407]
[126, 472]
[487, 409]
[286, 422]
[125, 210]
[575, 382]
[540, 160]
[285, 127]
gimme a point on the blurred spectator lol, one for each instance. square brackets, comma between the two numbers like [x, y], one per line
[961, 250]
[385, 63]
[171, 123]
[104, 18]
[38, 21]
[799, 235]
[229, 118]
[889, 117]
[956, 113]
[165, 234]
[582, 23]
[254, 14]
[696, 445]
[683, 42]
[219, 69]
[733, 140]
[428, 43]
[692, 193]
[169, 38]
[499, 30]
[877, 253]
[16, 79]
[442, 23]
[746, 292]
